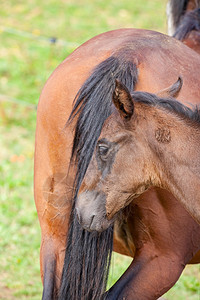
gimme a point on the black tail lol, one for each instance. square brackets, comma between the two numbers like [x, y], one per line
[86, 263]
[87, 257]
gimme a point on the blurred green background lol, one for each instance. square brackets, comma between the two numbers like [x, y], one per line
[27, 58]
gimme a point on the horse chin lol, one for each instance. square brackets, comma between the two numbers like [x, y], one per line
[98, 227]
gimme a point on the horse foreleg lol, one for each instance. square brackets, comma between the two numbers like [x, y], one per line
[148, 277]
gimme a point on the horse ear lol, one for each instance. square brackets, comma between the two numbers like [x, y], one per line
[122, 100]
[173, 90]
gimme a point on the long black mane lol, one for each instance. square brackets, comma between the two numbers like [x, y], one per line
[170, 104]
[87, 256]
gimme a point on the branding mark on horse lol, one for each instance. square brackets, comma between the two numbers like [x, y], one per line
[163, 135]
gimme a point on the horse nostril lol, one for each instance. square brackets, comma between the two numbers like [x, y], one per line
[92, 219]
[78, 216]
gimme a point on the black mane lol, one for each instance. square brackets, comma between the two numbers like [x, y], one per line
[169, 104]
[190, 22]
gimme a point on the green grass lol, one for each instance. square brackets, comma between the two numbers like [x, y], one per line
[25, 64]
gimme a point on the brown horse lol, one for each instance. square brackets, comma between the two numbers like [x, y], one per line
[184, 22]
[154, 228]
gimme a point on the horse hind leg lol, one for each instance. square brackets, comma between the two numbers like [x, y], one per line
[53, 209]
[49, 289]
[51, 258]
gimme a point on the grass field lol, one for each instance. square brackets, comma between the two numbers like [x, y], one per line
[25, 64]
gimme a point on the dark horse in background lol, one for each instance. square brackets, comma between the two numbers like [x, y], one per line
[154, 229]
[184, 22]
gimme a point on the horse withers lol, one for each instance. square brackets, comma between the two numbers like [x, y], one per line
[154, 229]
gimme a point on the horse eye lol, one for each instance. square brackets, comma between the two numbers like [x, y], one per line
[103, 150]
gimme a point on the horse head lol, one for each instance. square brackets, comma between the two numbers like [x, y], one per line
[122, 165]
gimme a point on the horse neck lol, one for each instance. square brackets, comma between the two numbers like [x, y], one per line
[175, 144]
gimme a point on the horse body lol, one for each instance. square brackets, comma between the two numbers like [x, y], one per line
[156, 230]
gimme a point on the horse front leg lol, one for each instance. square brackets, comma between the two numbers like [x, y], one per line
[166, 238]
[148, 277]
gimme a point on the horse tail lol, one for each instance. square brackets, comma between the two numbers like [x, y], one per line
[175, 10]
[88, 254]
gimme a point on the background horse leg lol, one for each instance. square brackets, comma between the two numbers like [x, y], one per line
[166, 238]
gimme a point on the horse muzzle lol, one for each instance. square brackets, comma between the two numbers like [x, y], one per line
[91, 211]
